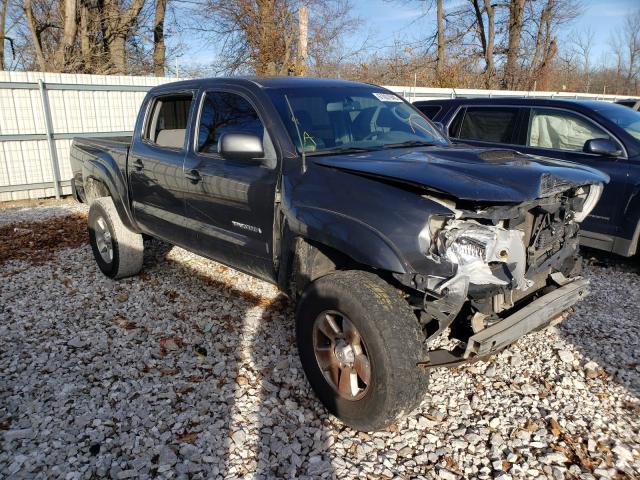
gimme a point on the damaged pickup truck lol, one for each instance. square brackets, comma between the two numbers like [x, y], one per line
[352, 202]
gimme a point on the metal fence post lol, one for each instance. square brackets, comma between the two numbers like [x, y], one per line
[52, 144]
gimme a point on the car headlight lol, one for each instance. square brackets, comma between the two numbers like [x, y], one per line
[592, 199]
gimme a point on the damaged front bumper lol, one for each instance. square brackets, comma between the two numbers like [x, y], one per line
[537, 314]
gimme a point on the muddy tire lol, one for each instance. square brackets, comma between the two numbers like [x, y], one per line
[359, 343]
[118, 251]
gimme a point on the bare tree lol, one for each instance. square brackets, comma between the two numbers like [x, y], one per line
[158, 38]
[583, 45]
[516, 24]
[260, 36]
[119, 22]
[3, 30]
[440, 57]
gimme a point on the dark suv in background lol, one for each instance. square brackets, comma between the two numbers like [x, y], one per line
[599, 134]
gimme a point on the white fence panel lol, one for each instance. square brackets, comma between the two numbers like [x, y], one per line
[106, 105]
[79, 105]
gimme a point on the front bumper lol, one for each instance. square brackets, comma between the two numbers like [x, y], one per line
[538, 314]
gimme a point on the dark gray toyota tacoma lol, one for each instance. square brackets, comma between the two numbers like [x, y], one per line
[347, 198]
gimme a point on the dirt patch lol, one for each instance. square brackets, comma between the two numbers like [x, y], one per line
[36, 242]
[36, 202]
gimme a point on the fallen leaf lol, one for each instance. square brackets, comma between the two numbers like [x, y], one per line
[189, 437]
[165, 372]
[122, 297]
[555, 427]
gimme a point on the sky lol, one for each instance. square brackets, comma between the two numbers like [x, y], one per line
[384, 22]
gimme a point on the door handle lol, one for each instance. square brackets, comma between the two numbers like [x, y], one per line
[137, 164]
[193, 176]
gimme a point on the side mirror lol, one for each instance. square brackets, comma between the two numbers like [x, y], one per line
[441, 128]
[602, 146]
[240, 146]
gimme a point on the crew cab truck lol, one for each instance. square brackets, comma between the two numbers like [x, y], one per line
[352, 202]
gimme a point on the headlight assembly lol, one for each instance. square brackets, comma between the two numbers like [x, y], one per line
[592, 199]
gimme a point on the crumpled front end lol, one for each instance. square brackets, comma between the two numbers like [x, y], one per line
[504, 259]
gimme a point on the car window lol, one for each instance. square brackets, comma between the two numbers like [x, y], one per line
[623, 117]
[454, 126]
[561, 130]
[429, 110]
[489, 124]
[167, 124]
[326, 121]
[225, 112]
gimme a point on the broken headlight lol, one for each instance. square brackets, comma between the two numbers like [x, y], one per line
[592, 195]
[473, 247]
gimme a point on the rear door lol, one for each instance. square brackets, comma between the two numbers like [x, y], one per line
[155, 166]
[561, 133]
[230, 203]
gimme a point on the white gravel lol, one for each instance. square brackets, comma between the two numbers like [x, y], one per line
[190, 370]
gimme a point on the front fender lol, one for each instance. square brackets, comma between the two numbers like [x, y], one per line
[348, 235]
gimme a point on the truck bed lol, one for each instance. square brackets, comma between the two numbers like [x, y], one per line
[89, 154]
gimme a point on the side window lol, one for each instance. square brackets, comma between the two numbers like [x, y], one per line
[224, 112]
[430, 110]
[167, 124]
[489, 124]
[560, 130]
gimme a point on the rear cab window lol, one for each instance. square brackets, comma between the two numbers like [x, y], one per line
[168, 120]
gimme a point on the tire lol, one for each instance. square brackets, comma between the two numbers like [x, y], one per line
[125, 256]
[390, 338]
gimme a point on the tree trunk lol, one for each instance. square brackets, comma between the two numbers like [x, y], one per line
[158, 39]
[491, 40]
[63, 52]
[117, 26]
[303, 21]
[516, 22]
[35, 35]
[3, 23]
[85, 42]
[440, 59]
[117, 53]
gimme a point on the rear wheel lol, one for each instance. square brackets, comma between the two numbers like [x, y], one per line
[359, 343]
[117, 250]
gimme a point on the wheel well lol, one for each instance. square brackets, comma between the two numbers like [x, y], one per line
[311, 260]
[95, 189]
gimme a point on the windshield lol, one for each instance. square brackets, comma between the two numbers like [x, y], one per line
[342, 119]
[622, 116]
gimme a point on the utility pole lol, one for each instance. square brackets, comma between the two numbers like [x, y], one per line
[303, 27]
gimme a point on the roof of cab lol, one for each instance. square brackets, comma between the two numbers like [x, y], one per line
[523, 101]
[266, 82]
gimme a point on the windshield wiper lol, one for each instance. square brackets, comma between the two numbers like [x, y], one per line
[410, 143]
[333, 151]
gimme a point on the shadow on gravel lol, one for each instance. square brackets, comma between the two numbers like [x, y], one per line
[606, 326]
[270, 437]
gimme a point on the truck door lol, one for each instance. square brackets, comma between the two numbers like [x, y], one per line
[155, 167]
[230, 203]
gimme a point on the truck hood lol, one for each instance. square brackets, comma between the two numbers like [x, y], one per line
[475, 174]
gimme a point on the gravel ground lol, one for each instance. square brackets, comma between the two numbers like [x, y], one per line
[190, 370]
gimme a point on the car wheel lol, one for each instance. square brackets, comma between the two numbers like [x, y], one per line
[360, 343]
[118, 251]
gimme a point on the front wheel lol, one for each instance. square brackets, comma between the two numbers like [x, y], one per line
[360, 343]
[117, 250]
